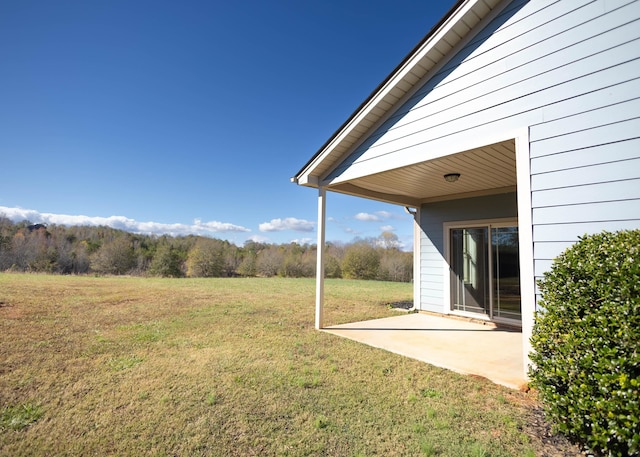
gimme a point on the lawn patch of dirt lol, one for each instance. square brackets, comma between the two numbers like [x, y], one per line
[406, 305]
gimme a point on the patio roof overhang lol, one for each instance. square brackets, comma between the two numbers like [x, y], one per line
[486, 170]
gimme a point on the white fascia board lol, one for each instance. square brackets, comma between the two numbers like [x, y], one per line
[306, 180]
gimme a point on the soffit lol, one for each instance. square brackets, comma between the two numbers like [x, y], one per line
[485, 170]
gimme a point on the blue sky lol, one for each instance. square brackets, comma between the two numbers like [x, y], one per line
[191, 117]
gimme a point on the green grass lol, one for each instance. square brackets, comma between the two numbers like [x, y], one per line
[134, 366]
[19, 416]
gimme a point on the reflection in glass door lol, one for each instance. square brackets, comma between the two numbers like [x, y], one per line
[506, 272]
[485, 271]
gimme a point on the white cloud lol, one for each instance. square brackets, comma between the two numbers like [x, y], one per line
[303, 241]
[388, 228]
[378, 216]
[259, 239]
[123, 223]
[367, 217]
[215, 226]
[290, 223]
[400, 216]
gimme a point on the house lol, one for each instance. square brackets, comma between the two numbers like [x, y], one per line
[509, 131]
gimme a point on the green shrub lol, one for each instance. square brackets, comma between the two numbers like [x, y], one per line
[361, 261]
[586, 342]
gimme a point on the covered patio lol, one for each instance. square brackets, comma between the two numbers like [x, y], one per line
[432, 139]
[459, 345]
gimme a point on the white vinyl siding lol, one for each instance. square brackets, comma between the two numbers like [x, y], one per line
[585, 154]
[583, 196]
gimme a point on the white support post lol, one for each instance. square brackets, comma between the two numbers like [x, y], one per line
[525, 235]
[322, 205]
[417, 283]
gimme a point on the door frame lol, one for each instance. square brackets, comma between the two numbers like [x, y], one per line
[477, 223]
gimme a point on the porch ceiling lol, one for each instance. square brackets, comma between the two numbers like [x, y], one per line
[486, 170]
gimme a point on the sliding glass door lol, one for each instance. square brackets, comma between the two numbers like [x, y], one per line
[485, 273]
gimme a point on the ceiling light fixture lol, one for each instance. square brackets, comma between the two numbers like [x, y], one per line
[452, 177]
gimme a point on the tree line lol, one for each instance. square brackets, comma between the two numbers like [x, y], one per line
[29, 247]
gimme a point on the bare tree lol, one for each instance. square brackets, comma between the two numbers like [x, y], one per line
[396, 265]
[269, 261]
[388, 240]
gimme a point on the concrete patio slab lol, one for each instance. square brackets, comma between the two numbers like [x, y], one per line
[458, 345]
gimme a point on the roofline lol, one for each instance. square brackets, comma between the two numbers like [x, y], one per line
[380, 86]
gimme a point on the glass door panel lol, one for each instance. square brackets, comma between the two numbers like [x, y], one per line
[470, 270]
[506, 273]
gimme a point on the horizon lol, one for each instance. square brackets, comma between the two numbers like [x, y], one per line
[210, 229]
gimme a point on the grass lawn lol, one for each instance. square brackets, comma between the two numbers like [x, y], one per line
[188, 367]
